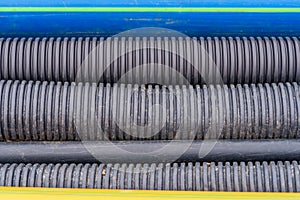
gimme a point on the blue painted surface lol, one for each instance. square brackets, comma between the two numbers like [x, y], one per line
[173, 3]
[192, 24]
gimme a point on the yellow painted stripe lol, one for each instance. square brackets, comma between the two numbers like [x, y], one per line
[9, 193]
[147, 9]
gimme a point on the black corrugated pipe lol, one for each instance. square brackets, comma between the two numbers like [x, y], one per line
[74, 111]
[243, 177]
[231, 60]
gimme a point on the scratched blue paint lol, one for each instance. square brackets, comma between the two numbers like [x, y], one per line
[153, 3]
[192, 24]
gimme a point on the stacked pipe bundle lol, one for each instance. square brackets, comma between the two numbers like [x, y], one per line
[73, 89]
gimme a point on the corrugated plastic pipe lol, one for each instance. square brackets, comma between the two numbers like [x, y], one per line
[106, 60]
[252, 176]
[85, 111]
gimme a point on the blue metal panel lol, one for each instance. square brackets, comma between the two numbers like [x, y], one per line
[190, 23]
[173, 3]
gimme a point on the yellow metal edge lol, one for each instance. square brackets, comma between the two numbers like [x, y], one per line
[10, 193]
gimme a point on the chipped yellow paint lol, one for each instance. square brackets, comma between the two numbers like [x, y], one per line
[10, 193]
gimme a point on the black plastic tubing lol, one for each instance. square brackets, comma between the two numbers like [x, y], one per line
[85, 111]
[243, 177]
[199, 60]
[150, 151]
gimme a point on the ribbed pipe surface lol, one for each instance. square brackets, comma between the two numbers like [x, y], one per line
[251, 176]
[199, 60]
[69, 111]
